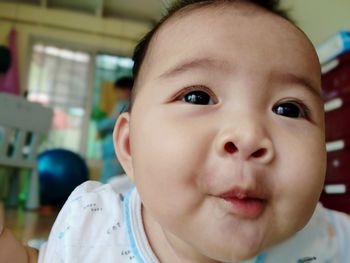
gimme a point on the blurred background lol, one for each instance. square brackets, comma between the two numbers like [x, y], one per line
[66, 56]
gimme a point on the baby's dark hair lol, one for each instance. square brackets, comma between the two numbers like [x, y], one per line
[124, 83]
[182, 5]
[5, 59]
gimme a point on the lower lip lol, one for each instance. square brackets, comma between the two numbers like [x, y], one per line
[247, 207]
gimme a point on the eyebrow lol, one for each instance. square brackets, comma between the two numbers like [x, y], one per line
[200, 63]
[209, 63]
[301, 81]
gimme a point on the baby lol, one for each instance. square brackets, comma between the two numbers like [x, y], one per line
[224, 141]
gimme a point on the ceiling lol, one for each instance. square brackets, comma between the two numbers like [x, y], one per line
[141, 10]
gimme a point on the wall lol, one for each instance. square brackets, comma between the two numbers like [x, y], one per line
[91, 33]
[320, 18]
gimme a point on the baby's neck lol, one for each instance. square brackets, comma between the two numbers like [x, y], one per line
[167, 247]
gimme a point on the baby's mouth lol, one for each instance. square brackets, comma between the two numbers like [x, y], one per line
[244, 203]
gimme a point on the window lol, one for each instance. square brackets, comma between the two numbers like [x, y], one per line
[60, 78]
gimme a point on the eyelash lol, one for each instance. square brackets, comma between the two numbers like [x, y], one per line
[180, 95]
[304, 109]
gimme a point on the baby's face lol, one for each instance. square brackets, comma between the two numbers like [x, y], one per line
[227, 132]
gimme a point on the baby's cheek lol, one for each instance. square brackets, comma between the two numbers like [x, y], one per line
[298, 194]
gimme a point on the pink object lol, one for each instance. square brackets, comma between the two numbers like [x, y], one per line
[10, 83]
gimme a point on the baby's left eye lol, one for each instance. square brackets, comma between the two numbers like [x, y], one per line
[291, 110]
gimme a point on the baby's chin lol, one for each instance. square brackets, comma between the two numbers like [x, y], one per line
[247, 247]
[235, 255]
[246, 250]
[234, 251]
[239, 253]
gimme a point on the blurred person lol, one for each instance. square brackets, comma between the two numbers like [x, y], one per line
[5, 61]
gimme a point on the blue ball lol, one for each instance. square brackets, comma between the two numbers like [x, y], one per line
[60, 172]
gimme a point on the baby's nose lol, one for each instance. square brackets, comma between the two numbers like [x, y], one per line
[249, 143]
[230, 148]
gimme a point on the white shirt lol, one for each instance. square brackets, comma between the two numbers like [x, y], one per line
[98, 224]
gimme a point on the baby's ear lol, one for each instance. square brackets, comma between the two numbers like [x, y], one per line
[121, 140]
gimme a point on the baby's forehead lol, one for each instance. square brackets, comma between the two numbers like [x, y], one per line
[194, 32]
[192, 20]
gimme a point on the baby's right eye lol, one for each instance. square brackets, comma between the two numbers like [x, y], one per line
[198, 97]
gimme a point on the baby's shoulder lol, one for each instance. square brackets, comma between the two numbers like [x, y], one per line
[340, 223]
[91, 221]
[91, 202]
[326, 238]
[94, 206]
[102, 194]
[328, 235]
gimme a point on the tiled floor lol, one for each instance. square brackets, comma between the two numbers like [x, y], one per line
[28, 225]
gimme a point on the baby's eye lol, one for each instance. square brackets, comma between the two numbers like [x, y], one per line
[291, 110]
[198, 97]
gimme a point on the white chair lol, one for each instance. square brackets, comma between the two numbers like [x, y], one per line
[22, 123]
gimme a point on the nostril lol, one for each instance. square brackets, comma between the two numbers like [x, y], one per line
[230, 147]
[259, 153]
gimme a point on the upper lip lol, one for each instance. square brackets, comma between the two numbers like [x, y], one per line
[242, 193]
